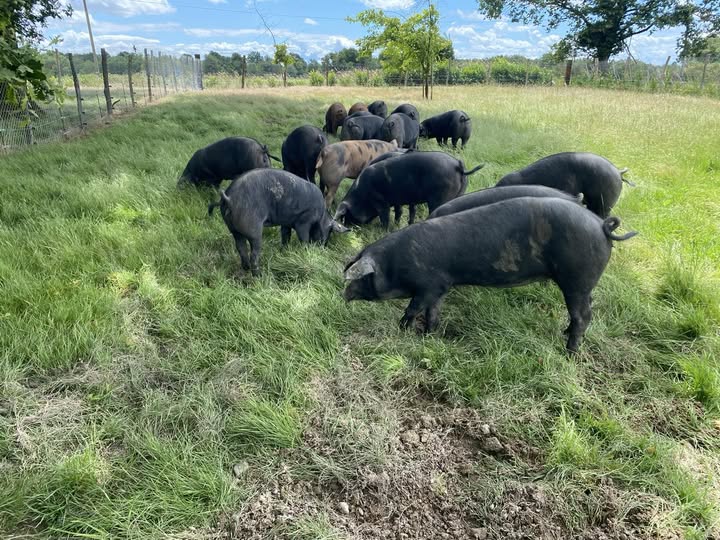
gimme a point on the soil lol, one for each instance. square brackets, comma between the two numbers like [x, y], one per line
[447, 473]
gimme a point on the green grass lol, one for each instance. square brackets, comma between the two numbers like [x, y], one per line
[138, 364]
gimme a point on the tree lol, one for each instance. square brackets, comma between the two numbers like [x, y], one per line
[412, 44]
[701, 20]
[284, 59]
[598, 27]
[22, 77]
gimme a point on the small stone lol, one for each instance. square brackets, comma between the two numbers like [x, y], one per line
[317, 490]
[361, 511]
[343, 507]
[485, 429]
[424, 436]
[466, 469]
[427, 421]
[410, 437]
[493, 445]
[480, 533]
[239, 469]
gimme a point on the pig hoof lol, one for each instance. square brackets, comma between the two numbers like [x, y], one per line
[406, 321]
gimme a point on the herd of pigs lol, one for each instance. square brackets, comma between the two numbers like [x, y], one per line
[546, 221]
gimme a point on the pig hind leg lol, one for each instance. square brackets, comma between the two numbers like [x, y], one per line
[398, 213]
[241, 245]
[578, 306]
[411, 216]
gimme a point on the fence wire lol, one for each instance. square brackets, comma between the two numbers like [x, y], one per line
[26, 124]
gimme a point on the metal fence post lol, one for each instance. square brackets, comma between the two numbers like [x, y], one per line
[106, 82]
[78, 96]
[162, 62]
[147, 74]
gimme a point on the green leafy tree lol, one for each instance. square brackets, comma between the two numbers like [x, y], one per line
[701, 20]
[283, 59]
[22, 77]
[598, 27]
[413, 44]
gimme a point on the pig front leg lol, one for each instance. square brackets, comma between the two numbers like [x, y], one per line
[428, 302]
[411, 216]
[285, 233]
[303, 232]
[385, 217]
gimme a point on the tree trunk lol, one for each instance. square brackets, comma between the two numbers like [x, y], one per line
[603, 63]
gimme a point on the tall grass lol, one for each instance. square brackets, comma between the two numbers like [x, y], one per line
[138, 364]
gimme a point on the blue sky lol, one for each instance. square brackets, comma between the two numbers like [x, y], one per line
[311, 28]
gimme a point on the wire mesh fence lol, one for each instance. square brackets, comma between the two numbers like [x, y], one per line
[94, 98]
[115, 85]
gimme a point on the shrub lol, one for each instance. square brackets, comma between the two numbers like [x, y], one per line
[316, 78]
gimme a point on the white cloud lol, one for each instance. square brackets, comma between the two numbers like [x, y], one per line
[389, 4]
[305, 44]
[218, 1]
[79, 42]
[126, 8]
[656, 47]
[311, 22]
[471, 15]
[471, 43]
[224, 32]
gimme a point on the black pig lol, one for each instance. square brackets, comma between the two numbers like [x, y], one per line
[595, 177]
[301, 149]
[378, 108]
[505, 244]
[225, 159]
[402, 128]
[361, 127]
[496, 194]
[415, 178]
[268, 197]
[455, 125]
[408, 109]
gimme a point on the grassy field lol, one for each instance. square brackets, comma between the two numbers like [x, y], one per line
[150, 389]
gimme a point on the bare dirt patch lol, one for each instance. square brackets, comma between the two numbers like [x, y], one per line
[406, 468]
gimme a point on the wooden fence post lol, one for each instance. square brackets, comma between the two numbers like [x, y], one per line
[106, 82]
[665, 71]
[199, 71]
[147, 74]
[130, 83]
[705, 64]
[243, 71]
[172, 65]
[568, 71]
[78, 97]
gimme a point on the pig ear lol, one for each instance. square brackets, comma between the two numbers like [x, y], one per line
[338, 228]
[360, 269]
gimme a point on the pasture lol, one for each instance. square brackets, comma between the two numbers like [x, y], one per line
[150, 389]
